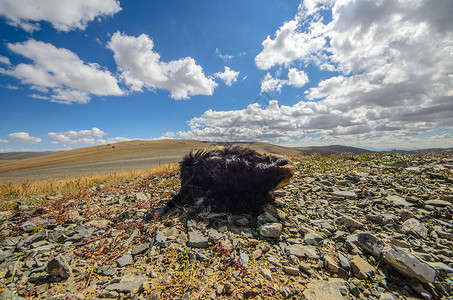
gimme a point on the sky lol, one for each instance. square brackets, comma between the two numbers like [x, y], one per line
[375, 74]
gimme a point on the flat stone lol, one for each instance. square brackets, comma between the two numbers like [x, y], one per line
[313, 238]
[350, 222]
[58, 269]
[361, 268]
[344, 262]
[345, 194]
[318, 289]
[438, 202]
[415, 227]
[26, 226]
[442, 268]
[266, 274]
[331, 264]
[128, 284]
[302, 251]
[139, 249]
[272, 230]
[408, 264]
[197, 240]
[291, 270]
[125, 260]
[370, 243]
[399, 201]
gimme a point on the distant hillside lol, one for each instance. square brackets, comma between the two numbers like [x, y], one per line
[140, 153]
[331, 150]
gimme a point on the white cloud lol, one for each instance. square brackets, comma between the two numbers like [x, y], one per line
[270, 83]
[62, 72]
[4, 60]
[228, 76]
[296, 78]
[224, 57]
[77, 137]
[390, 66]
[23, 137]
[311, 123]
[93, 136]
[141, 68]
[4, 141]
[63, 15]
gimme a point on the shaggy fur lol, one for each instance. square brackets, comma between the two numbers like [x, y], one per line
[230, 180]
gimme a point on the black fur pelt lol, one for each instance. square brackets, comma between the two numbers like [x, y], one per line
[234, 179]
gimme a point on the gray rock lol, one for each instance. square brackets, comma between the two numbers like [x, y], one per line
[313, 238]
[58, 269]
[442, 268]
[399, 201]
[128, 284]
[38, 236]
[415, 227]
[266, 274]
[361, 268]
[370, 243]
[345, 194]
[241, 221]
[302, 251]
[350, 222]
[344, 262]
[125, 260]
[161, 239]
[244, 259]
[291, 270]
[27, 226]
[319, 289]
[139, 249]
[197, 240]
[437, 202]
[386, 296]
[272, 230]
[408, 264]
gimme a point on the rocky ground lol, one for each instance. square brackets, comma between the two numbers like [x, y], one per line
[374, 226]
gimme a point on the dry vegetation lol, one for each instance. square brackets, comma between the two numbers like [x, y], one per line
[24, 190]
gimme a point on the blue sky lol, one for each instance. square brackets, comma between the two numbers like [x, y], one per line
[372, 74]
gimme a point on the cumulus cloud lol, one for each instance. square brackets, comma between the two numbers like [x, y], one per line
[296, 78]
[228, 76]
[77, 137]
[93, 136]
[63, 15]
[141, 67]
[387, 67]
[23, 137]
[61, 72]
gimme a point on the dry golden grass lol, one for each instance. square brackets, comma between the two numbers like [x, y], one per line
[26, 189]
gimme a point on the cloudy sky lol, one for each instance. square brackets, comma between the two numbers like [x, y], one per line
[376, 74]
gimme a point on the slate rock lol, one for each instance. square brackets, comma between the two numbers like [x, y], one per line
[27, 226]
[350, 222]
[370, 243]
[272, 230]
[58, 269]
[361, 268]
[345, 194]
[399, 201]
[438, 202]
[415, 227]
[139, 249]
[196, 239]
[302, 251]
[319, 289]
[128, 284]
[125, 260]
[408, 264]
[313, 238]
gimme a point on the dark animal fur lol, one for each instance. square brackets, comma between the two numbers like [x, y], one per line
[230, 180]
